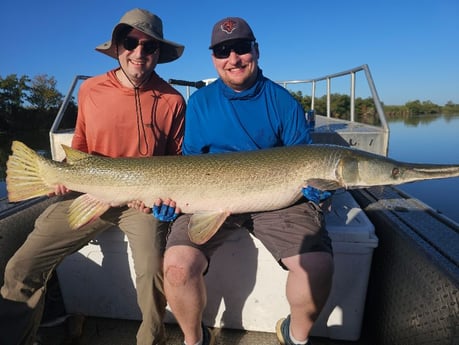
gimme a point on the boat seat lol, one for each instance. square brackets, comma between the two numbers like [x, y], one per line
[99, 279]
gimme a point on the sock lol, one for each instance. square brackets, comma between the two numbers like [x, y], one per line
[297, 342]
[198, 343]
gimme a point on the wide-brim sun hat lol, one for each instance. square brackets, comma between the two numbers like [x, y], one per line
[151, 25]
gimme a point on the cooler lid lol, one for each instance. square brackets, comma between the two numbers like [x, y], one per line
[346, 222]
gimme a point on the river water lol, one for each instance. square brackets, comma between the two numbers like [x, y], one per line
[423, 139]
[429, 139]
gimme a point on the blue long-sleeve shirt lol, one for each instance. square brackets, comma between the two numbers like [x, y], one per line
[219, 119]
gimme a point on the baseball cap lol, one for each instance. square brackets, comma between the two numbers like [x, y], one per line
[230, 28]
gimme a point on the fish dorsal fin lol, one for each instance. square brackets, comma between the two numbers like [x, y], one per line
[323, 184]
[204, 225]
[84, 210]
[73, 155]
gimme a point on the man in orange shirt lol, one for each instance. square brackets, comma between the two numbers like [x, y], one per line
[127, 112]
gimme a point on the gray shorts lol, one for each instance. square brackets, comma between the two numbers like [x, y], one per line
[286, 232]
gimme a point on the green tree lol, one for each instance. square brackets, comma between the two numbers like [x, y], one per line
[43, 94]
[340, 106]
[305, 101]
[414, 107]
[450, 108]
[430, 108]
[12, 92]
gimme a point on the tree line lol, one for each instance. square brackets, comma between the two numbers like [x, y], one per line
[365, 110]
[27, 103]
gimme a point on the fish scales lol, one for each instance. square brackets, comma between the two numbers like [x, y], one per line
[210, 186]
[213, 177]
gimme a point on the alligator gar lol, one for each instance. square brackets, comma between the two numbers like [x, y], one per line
[210, 186]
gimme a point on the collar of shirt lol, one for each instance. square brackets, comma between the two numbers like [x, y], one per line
[253, 91]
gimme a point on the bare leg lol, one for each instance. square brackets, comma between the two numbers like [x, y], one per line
[308, 286]
[185, 288]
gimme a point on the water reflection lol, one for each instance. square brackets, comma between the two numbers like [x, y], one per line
[429, 139]
[422, 119]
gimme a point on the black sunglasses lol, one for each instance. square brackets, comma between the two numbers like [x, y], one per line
[149, 47]
[222, 51]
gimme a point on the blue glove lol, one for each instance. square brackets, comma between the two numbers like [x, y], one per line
[316, 195]
[164, 213]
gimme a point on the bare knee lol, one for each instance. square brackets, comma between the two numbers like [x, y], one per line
[183, 264]
[176, 275]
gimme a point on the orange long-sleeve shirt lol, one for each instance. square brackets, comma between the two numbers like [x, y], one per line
[108, 123]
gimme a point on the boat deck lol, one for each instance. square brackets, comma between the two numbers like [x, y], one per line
[100, 331]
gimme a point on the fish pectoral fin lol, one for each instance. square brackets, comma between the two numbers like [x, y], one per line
[323, 184]
[204, 225]
[85, 209]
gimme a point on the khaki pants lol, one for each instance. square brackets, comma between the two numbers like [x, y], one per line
[52, 240]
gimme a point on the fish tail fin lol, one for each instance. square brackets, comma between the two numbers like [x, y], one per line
[23, 175]
[84, 210]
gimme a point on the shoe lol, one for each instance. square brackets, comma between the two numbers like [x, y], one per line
[283, 332]
[208, 337]
[53, 321]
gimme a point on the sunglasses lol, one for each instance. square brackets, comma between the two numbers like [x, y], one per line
[149, 47]
[222, 51]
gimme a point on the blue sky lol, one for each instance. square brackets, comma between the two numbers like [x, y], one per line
[411, 46]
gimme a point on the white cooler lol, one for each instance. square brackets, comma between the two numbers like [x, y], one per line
[246, 287]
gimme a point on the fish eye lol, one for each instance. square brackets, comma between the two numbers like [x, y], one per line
[395, 172]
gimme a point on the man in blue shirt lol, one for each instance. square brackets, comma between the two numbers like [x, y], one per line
[240, 111]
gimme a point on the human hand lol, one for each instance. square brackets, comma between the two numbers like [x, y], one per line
[59, 189]
[139, 206]
[165, 211]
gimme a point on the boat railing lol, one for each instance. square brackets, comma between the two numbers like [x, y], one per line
[59, 136]
[352, 91]
[366, 130]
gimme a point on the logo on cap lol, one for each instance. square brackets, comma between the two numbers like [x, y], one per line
[228, 26]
